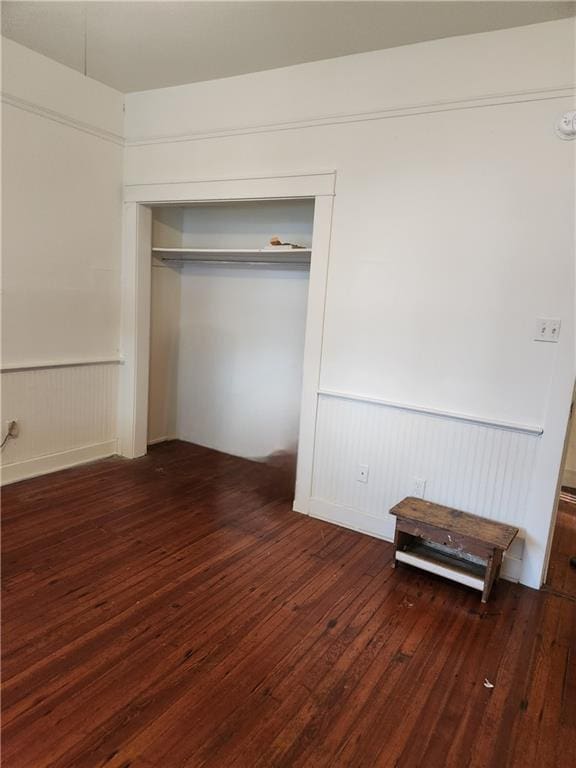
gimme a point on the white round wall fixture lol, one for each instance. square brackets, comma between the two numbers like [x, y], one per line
[566, 126]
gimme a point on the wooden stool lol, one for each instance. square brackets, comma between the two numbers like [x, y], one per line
[460, 546]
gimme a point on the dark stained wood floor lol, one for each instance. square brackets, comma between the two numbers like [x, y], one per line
[173, 611]
[561, 576]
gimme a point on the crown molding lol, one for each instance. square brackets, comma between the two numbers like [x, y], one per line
[61, 118]
[441, 105]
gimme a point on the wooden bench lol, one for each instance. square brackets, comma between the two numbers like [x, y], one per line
[460, 546]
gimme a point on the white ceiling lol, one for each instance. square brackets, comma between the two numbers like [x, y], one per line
[135, 46]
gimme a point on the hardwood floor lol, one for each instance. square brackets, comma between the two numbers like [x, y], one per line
[173, 611]
[561, 576]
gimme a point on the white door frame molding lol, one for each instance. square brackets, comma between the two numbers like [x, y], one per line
[136, 274]
[136, 278]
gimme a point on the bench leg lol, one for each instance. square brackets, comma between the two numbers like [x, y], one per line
[396, 545]
[401, 541]
[492, 571]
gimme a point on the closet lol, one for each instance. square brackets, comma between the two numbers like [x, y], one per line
[228, 315]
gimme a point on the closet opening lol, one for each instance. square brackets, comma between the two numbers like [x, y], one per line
[228, 310]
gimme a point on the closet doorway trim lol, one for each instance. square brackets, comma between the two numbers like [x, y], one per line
[136, 285]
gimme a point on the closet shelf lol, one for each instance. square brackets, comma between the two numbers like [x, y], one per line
[251, 256]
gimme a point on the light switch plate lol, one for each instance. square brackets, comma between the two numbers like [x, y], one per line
[554, 329]
[547, 329]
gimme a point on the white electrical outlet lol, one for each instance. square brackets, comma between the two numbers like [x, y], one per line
[12, 427]
[362, 473]
[419, 487]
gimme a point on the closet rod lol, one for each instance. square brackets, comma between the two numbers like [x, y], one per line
[236, 262]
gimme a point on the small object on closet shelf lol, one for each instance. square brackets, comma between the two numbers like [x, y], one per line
[275, 242]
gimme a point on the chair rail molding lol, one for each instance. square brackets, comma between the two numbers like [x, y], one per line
[529, 429]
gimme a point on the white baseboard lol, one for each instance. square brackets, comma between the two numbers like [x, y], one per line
[353, 518]
[163, 439]
[42, 465]
[384, 529]
[301, 504]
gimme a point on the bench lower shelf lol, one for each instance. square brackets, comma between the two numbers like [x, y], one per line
[429, 559]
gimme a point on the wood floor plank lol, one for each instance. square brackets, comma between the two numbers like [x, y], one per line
[561, 576]
[173, 612]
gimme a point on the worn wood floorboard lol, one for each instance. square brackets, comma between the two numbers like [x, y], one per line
[561, 576]
[173, 612]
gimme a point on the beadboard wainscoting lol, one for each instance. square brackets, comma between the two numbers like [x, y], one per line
[472, 466]
[66, 415]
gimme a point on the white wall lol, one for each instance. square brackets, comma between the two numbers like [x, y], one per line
[62, 193]
[452, 231]
[247, 224]
[240, 358]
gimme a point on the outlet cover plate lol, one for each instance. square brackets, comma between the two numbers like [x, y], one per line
[362, 473]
